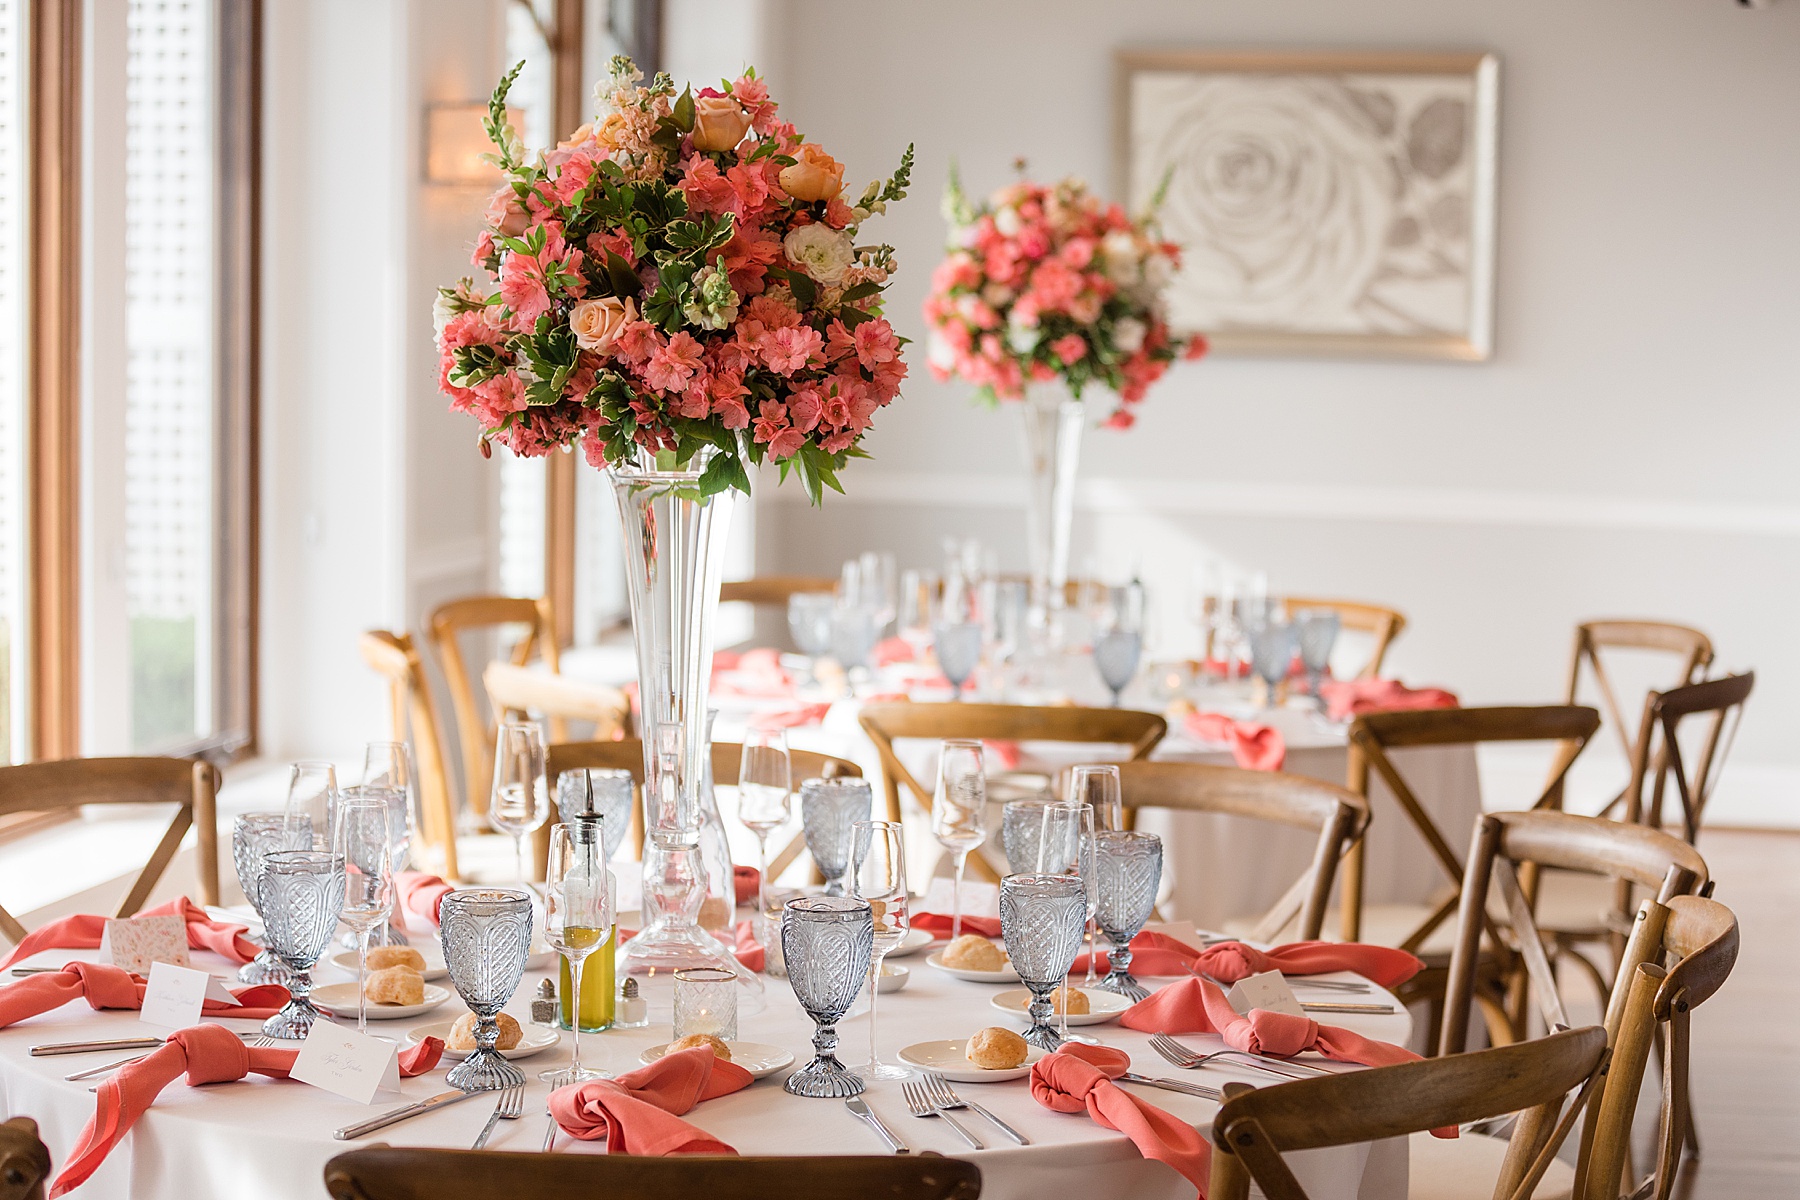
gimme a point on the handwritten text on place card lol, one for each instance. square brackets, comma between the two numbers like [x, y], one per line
[347, 1063]
[1267, 991]
[173, 996]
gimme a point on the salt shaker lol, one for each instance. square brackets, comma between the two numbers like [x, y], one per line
[543, 1006]
[633, 1011]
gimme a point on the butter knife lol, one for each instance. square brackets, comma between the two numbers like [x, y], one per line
[1327, 1007]
[141, 1043]
[862, 1111]
[1170, 1085]
[364, 1128]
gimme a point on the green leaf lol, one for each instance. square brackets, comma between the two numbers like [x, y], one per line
[852, 317]
[724, 471]
[862, 291]
[619, 273]
[804, 289]
[684, 110]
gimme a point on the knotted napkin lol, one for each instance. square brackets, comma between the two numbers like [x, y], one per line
[103, 985]
[1198, 1006]
[743, 883]
[206, 1054]
[83, 932]
[1254, 746]
[640, 1111]
[1159, 954]
[1353, 697]
[1079, 1078]
[751, 675]
[889, 651]
[791, 716]
[938, 924]
[420, 894]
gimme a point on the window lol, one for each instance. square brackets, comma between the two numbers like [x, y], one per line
[13, 732]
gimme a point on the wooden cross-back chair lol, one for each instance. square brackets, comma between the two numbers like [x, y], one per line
[63, 785]
[1256, 1126]
[627, 754]
[887, 723]
[1721, 699]
[445, 626]
[1380, 623]
[24, 1160]
[1691, 653]
[1336, 815]
[519, 693]
[772, 590]
[1507, 852]
[407, 1173]
[396, 659]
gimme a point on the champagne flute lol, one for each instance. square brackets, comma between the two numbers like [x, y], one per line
[1096, 786]
[879, 876]
[1067, 848]
[312, 794]
[361, 838]
[879, 588]
[389, 767]
[918, 593]
[959, 812]
[521, 797]
[578, 917]
[765, 801]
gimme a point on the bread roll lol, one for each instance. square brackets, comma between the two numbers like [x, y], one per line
[383, 957]
[972, 952]
[996, 1049]
[693, 1040]
[1072, 1000]
[462, 1034]
[395, 985]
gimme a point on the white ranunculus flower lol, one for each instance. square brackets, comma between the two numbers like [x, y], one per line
[1158, 271]
[1007, 221]
[825, 253]
[1128, 334]
[1022, 335]
[1120, 250]
[939, 353]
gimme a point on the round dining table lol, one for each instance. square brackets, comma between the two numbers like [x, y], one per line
[271, 1139]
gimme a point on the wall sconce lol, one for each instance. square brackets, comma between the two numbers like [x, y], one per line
[454, 143]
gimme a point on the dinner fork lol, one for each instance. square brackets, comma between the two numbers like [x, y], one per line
[923, 1107]
[510, 1107]
[943, 1096]
[550, 1133]
[1181, 1056]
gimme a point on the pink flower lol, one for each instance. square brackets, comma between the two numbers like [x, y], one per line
[1120, 419]
[836, 411]
[748, 256]
[522, 286]
[875, 343]
[670, 368]
[788, 350]
[1071, 348]
[706, 190]
[1196, 348]
[505, 214]
[772, 313]
[1055, 284]
[749, 187]
[772, 429]
[840, 440]
[805, 407]
[838, 214]
[611, 241]
[635, 343]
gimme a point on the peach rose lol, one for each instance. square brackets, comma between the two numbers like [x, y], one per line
[506, 216]
[814, 176]
[595, 323]
[720, 123]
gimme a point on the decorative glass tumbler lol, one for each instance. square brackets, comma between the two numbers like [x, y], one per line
[1042, 918]
[253, 837]
[302, 894]
[487, 936]
[1127, 871]
[829, 809]
[706, 1002]
[826, 942]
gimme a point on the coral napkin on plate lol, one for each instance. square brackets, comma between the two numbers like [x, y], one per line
[420, 894]
[103, 985]
[1079, 1078]
[1254, 746]
[1353, 697]
[1197, 1006]
[206, 1054]
[752, 674]
[791, 716]
[1159, 954]
[83, 933]
[640, 1111]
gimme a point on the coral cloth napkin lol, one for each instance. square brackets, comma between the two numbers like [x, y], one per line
[1197, 1006]
[938, 925]
[83, 933]
[1353, 697]
[743, 883]
[103, 985]
[791, 716]
[640, 1111]
[1003, 755]
[889, 651]
[752, 674]
[1079, 1078]
[1254, 746]
[1159, 954]
[420, 894]
[206, 1054]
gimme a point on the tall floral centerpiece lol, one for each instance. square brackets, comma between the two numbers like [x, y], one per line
[678, 289]
[1047, 293]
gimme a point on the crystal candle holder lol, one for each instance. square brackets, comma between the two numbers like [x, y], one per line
[706, 1002]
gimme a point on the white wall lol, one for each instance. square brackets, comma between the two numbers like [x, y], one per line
[1626, 452]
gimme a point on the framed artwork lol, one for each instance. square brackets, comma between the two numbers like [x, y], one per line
[1325, 203]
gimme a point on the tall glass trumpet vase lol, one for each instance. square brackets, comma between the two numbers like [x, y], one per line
[1053, 426]
[1127, 871]
[487, 935]
[1041, 918]
[673, 555]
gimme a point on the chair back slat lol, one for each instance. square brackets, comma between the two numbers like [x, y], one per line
[519, 693]
[1723, 699]
[395, 658]
[1691, 650]
[772, 590]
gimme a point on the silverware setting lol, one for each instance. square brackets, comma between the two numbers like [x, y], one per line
[1193, 1060]
[860, 1109]
[431, 1103]
[1171, 1085]
[1329, 1007]
[50, 1048]
[509, 1107]
[550, 1133]
[1333, 985]
[922, 1106]
[249, 1039]
[941, 1094]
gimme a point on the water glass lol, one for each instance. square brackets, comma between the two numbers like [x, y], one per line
[1097, 786]
[362, 838]
[311, 795]
[829, 811]
[1271, 654]
[302, 894]
[880, 587]
[918, 594]
[855, 628]
[520, 801]
[958, 652]
[1127, 872]
[765, 799]
[959, 811]
[487, 936]
[1069, 850]
[1022, 833]
[578, 917]
[826, 944]
[1041, 918]
[1318, 633]
[809, 621]
[706, 1002]
[880, 879]
[1116, 654]
[253, 837]
[604, 791]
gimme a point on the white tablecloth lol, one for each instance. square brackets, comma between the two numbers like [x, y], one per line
[271, 1139]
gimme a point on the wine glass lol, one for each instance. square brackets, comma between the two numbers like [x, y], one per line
[1067, 848]
[1022, 833]
[855, 628]
[880, 587]
[765, 800]
[826, 942]
[809, 621]
[487, 935]
[521, 800]
[880, 878]
[311, 793]
[253, 837]
[959, 812]
[956, 631]
[918, 593]
[302, 897]
[578, 917]
[1040, 918]
[602, 790]
[1127, 871]
[1097, 786]
[362, 837]
[829, 812]
[389, 766]
[1119, 641]
[1318, 633]
[1271, 655]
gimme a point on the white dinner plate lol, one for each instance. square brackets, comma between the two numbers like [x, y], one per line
[431, 952]
[340, 999]
[948, 1059]
[1103, 1006]
[914, 941]
[758, 1058]
[533, 1039]
[1006, 976]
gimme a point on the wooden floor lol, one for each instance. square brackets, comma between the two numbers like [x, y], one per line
[1746, 1070]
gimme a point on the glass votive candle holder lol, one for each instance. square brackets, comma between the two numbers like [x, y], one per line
[706, 1002]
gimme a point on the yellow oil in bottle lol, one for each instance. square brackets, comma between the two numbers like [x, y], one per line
[597, 991]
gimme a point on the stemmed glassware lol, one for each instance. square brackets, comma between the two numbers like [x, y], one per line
[602, 790]
[1271, 654]
[1022, 833]
[578, 917]
[880, 589]
[302, 896]
[1067, 848]
[765, 800]
[1040, 918]
[362, 839]
[880, 879]
[521, 798]
[1318, 633]
[918, 595]
[1097, 786]
[809, 621]
[388, 767]
[956, 632]
[487, 935]
[959, 812]
[1119, 641]
[826, 942]
[1127, 871]
[312, 793]
[829, 812]
[855, 628]
[253, 837]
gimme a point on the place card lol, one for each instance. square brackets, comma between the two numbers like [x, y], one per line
[174, 996]
[133, 943]
[978, 899]
[346, 1063]
[1267, 991]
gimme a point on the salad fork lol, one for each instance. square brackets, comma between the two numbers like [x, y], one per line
[923, 1107]
[510, 1107]
[1181, 1056]
[943, 1096]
